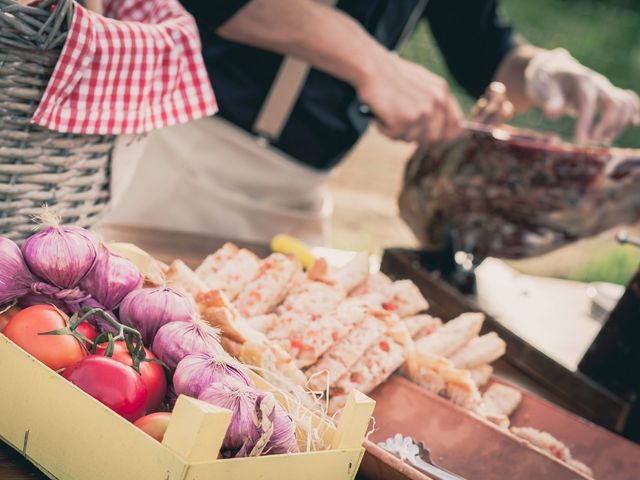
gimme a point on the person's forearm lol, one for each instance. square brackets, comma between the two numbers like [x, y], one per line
[511, 73]
[322, 36]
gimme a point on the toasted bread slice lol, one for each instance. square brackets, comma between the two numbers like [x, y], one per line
[376, 283]
[217, 311]
[339, 359]
[461, 389]
[501, 399]
[181, 277]
[581, 467]
[214, 262]
[424, 369]
[376, 365]
[329, 329]
[348, 277]
[421, 325]
[479, 351]
[278, 274]
[452, 335]
[306, 303]
[273, 358]
[544, 441]
[231, 276]
[481, 374]
[405, 299]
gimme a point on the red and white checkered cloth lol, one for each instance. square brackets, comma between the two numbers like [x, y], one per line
[136, 69]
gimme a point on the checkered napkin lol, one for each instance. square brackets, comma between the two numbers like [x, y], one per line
[136, 69]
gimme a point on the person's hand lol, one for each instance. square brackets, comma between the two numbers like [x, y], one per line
[409, 102]
[558, 83]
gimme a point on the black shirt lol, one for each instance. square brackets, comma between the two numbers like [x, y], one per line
[325, 122]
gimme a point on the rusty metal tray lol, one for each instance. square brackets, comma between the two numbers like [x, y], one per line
[474, 449]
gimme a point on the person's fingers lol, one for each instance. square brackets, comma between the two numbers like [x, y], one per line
[587, 104]
[625, 118]
[507, 111]
[453, 127]
[610, 117]
[635, 102]
[416, 132]
[554, 102]
[477, 113]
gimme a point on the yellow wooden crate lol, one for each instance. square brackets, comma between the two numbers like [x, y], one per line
[70, 436]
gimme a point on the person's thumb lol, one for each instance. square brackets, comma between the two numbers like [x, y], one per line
[554, 103]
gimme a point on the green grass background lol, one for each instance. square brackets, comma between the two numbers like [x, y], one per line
[604, 35]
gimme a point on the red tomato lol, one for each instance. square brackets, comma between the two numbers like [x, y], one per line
[55, 351]
[112, 383]
[154, 424]
[152, 373]
[89, 331]
[6, 316]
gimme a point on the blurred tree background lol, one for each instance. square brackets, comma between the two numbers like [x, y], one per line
[602, 34]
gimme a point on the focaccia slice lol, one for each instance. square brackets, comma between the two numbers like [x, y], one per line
[405, 299]
[438, 375]
[481, 374]
[339, 359]
[263, 294]
[501, 399]
[348, 277]
[421, 325]
[552, 446]
[217, 311]
[461, 389]
[307, 346]
[232, 275]
[264, 324]
[543, 440]
[452, 335]
[214, 262]
[479, 351]
[271, 357]
[424, 369]
[375, 366]
[181, 277]
[376, 283]
[306, 303]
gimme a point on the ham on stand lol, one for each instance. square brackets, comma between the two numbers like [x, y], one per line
[515, 193]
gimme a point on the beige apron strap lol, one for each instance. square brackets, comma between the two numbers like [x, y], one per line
[283, 95]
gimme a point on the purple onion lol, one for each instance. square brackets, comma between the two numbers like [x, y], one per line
[283, 440]
[175, 340]
[148, 309]
[15, 278]
[248, 423]
[197, 371]
[241, 400]
[61, 255]
[111, 279]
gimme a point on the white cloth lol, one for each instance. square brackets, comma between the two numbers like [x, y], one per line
[210, 177]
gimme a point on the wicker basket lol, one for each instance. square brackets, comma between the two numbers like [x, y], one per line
[66, 171]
